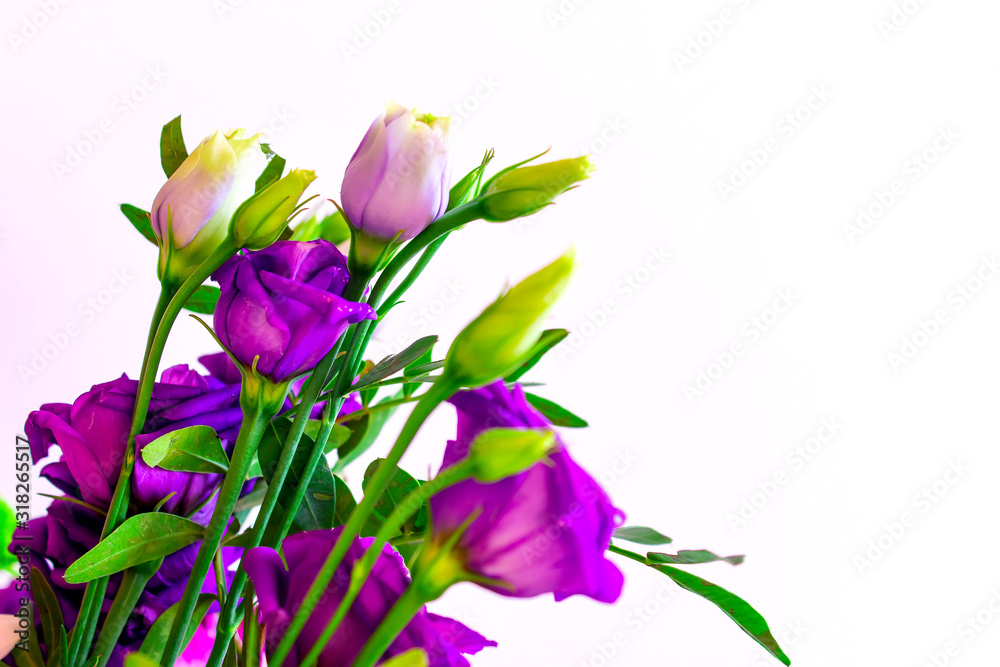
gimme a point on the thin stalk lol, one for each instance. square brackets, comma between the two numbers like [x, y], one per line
[406, 607]
[133, 583]
[437, 394]
[257, 414]
[251, 633]
[168, 307]
[363, 568]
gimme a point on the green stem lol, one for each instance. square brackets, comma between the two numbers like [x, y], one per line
[261, 401]
[406, 607]
[310, 396]
[251, 632]
[437, 394]
[363, 568]
[168, 307]
[133, 583]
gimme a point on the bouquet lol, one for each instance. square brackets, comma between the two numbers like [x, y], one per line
[205, 518]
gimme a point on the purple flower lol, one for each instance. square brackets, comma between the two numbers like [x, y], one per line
[544, 530]
[67, 532]
[281, 591]
[285, 305]
[397, 180]
[93, 432]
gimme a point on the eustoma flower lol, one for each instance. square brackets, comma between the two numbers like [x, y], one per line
[397, 181]
[283, 306]
[191, 212]
[280, 591]
[92, 434]
[544, 530]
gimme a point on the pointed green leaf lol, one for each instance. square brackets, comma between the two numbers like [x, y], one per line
[401, 485]
[140, 220]
[156, 638]
[172, 149]
[318, 504]
[397, 362]
[191, 449]
[364, 432]
[47, 604]
[203, 300]
[555, 413]
[684, 557]
[548, 340]
[141, 538]
[272, 172]
[641, 535]
[345, 502]
[745, 616]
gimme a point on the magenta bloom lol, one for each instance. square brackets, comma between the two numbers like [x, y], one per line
[281, 591]
[93, 432]
[285, 305]
[544, 530]
[397, 180]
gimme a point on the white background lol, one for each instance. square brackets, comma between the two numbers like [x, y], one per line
[608, 78]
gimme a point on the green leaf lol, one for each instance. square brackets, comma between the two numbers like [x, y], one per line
[693, 558]
[7, 525]
[400, 486]
[641, 535]
[745, 616]
[140, 220]
[364, 431]
[420, 362]
[191, 449]
[412, 658]
[172, 149]
[397, 362]
[140, 539]
[319, 502]
[49, 613]
[57, 656]
[272, 173]
[548, 340]
[467, 187]
[332, 228]
[203, 300]
[156, 638]
[555, 413]
[345, 502]
[33, 656]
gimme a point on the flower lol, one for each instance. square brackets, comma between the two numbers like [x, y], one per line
[93, 432]
[526, 190]
[280, 592]
[397, 180]
[544, 530]
[284, 305]
[67, 532]
[502, 337]
[260, 221]
[191, 212]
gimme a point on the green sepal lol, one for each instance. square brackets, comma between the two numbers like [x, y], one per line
[172, 149]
